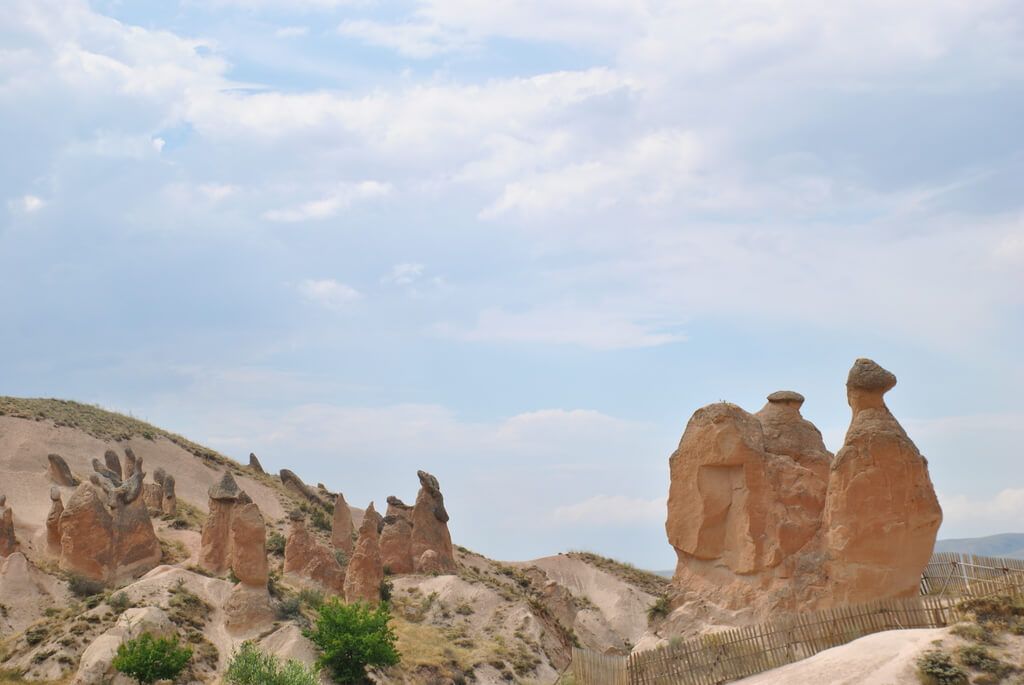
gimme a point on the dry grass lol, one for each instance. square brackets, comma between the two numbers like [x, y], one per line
[100, 423]
[648, 582]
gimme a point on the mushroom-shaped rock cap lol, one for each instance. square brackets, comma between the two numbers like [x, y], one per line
[226, 489]
[867, 375]
[54, 493]
[786, 397]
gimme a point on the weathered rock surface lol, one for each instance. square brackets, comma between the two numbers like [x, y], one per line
[96, 665]
[292, 481]
[310, 563]
[430, 524]
[762, 516]
[255, 464]
[60, 472]
[248, 609]
[169, 498]
[8, 542]
[234, 536]
[53, 520]
[25, 593]
[365, 570]
[396, 537]
[342, 530]
[882, 514]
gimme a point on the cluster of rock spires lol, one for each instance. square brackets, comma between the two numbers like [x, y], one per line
[762, 515]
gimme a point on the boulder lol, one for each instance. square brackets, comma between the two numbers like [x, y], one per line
[60, 472]
[882, 514]
[430, 524]
[8, 542]
[396, 537]
[169, 498]
[53, 520]
[255, 464]
[365, 571]
[248, 609]
[342, 530]
[153, 496]
[309, 563]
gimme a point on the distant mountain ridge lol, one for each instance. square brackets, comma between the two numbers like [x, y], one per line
[1010, 545]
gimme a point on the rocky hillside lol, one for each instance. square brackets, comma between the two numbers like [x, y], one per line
[218, 553]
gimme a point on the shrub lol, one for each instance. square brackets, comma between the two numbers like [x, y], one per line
[319, 518]
[119, 602]
[148, 659]
[250, 666]
[352, 637]
[937, 668]
[980, 659]
[660, 609]
[83, 587]
[290, 607]
[314, 599]
[975, 633]
[342, 558]
[276, 544]
[386, 588]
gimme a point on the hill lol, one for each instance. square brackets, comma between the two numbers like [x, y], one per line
[491, 622]
[1009, 545]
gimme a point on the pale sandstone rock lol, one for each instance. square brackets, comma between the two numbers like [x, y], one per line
[882, 514]
[169, 499]
[53, 520]
[342, 530]
[430, 524]
[365, 571]
[26, 592]
[96, 664]
[762, 517]
[396, 537]
[248, 609]
[60, 472]
[8, 542]
[310, 563]
[153, 496]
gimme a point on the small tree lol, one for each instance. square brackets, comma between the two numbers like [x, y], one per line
[250, 666]
[352, 637]
[148, 659]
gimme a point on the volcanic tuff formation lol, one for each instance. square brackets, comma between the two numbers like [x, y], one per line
[761, 515]
[396, 537]
[60, 472]
[307, 562]
[430, 527]
[365, 571]
[8, 543]
[105, 530]
[342, 530]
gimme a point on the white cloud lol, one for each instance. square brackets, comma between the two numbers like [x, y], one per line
[1001, 512]
[605, 510]
[217, 191]
[404, 274]
[27, 204]
[291, 31]
[328, 292]
[417, 40]
[326, 207]
[158, 144]
[602, 328]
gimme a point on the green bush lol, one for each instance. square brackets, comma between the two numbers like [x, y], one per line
[352, 637]
[250, 666]
[83, 587]
[276, 544]
[660, 609]
[119, 602]
[980, 659]
[937, 668]
[148, 659]
[319, 518]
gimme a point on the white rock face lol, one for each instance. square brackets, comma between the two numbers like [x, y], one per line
[96, 664]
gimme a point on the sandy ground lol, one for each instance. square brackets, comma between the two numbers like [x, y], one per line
[881, 659]
[25, 444]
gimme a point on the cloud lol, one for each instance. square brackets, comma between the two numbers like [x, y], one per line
[612, 510]
[291, 31]
[27, 204]
[328, 206]
[328, 293]
[217, 191]
[566, 324]
[1000, 512]
[417, 40]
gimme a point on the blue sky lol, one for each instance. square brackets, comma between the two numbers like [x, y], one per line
[517, 244]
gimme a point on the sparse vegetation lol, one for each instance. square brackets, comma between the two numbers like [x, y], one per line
[148, 658]
[119, 602]
[83, 587]
[651, 583]
[250, 666]
[276, 544]
[979, 658]
[314, 599]
[352, 637]
[660, 609]
[320, 518]
[187, 610]
[100, 423]
[937, 668]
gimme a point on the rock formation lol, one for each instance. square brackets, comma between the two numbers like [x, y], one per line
[169, 501]
[342, 530]
[365, 570]
[96, 664]
[8, 542]
[113, 463]
[60, 472]
[53, 520]
[105, 530]
[762, 516]
[307, 562]
[153, 493]
[291, 481]
[234, 536]
[430, 525]
[882, 515]
[396, 537]
[255, 464]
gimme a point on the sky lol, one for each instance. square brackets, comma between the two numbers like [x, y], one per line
[518, 243]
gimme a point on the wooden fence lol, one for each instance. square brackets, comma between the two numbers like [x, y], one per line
[732, 654]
